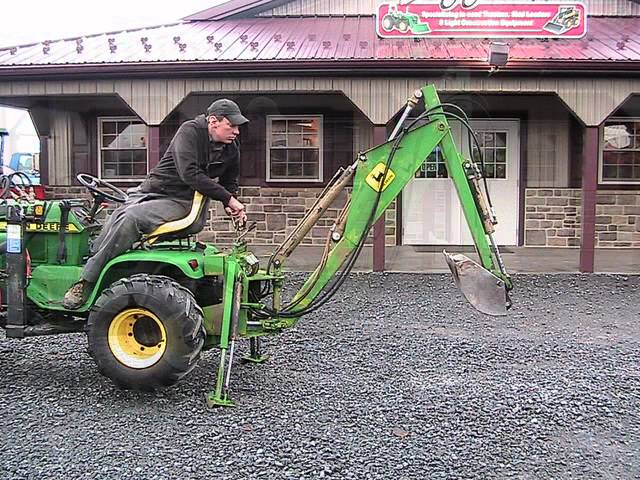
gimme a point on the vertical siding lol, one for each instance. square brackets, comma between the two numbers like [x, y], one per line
[379, 98]
[60, 142]
[548, 153]
[545, 156]
[362, 134]
[369, 7]
[594, 100]
[141, 98]
[547, 149]
[158, 95]
[549, 132]
[325, 7]
[176, 91]
[612, 7]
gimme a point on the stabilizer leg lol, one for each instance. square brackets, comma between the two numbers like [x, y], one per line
[255, 355]
[232, 298]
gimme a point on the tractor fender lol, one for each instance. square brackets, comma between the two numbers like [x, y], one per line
[171, 263]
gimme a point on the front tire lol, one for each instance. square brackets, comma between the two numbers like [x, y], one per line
[145, 332]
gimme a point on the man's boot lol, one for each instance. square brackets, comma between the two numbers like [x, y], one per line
[76, 295]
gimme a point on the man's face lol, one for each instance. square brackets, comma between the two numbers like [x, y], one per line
[222, 130]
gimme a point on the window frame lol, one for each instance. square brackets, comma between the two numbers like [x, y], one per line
[601, 179]
[478, 132]
[320, 147]
[101, 121]
[495, 148]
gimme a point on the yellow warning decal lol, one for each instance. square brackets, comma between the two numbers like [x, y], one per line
[44, 227]
[375, 177]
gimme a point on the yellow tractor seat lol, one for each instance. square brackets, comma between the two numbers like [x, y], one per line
[193, 223]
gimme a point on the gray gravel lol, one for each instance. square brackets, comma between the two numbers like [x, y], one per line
[396, 378]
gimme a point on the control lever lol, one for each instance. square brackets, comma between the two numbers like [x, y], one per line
[99, 204]
[243, 229]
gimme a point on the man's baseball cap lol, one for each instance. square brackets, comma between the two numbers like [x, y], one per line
[227, 108]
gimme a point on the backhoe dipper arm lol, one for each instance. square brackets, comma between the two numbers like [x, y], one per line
[380, 175]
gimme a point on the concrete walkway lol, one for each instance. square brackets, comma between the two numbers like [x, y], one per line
[430, 259]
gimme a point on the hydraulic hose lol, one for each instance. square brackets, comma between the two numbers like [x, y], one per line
[286, 312]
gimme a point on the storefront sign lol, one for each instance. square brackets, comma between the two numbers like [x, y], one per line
[481, 19]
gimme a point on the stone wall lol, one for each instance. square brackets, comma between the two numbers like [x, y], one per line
[618, 219]
[276, 212]
[552, 218]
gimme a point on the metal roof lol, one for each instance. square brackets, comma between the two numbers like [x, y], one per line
[232, 8]
[290, 42]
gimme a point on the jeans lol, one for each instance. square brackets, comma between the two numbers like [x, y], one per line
[141, 214]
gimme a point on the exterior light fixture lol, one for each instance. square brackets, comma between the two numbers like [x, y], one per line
[498, 55]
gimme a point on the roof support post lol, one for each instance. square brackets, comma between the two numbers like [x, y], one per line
[589, 196]
[379, 136]
[153, 144]
[44, 159]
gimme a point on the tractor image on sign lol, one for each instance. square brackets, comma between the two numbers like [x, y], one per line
[566, 19]
[404, 22]
[158, 306]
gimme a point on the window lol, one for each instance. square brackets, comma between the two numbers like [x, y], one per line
[25, 162]
[123, 148]
[493, 145]
[433, 166]
[621, 151]
[294, 148]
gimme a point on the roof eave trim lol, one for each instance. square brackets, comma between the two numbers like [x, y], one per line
[317, 67]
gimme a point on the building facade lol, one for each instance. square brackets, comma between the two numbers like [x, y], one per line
[559, 124]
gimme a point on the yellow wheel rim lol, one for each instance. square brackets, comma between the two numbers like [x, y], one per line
[137, 338]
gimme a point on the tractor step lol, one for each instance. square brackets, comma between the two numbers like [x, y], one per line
[20, 331]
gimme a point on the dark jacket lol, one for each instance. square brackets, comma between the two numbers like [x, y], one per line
[193, 162]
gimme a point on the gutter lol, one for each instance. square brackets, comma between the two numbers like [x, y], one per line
[314, 67]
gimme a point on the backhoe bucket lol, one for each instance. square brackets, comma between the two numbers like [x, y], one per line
[481, 288]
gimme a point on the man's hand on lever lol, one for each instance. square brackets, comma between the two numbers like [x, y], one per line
[237, 212]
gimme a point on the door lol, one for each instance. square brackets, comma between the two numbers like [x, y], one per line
[431, 213]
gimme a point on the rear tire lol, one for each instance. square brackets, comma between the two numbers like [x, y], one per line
[145, 332]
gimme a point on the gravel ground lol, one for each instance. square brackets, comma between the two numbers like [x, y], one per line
[396, 378]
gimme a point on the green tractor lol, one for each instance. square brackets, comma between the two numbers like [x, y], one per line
[158, 306]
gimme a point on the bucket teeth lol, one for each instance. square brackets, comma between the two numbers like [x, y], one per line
[482, 289]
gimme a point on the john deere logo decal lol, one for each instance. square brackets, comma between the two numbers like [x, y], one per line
[44, 227]
[374, 179]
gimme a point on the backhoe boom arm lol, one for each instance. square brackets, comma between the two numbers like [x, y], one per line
[380, 175]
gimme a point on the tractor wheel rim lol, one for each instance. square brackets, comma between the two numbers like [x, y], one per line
[137, 338]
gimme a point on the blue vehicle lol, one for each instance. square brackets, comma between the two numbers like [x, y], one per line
[25, 162]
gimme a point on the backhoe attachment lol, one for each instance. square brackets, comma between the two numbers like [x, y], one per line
[379, 175]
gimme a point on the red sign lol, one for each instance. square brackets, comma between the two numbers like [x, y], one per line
[481, 19]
